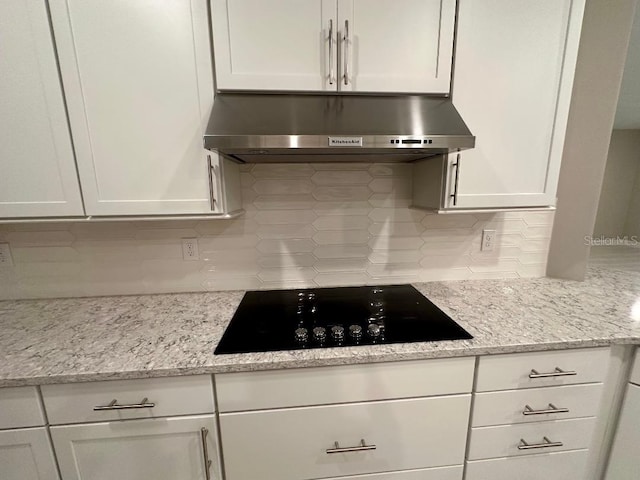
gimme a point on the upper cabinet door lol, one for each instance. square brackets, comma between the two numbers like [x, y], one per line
[138, 79]
[38, 176]
[396, 45]
[514, 69]
[275, 44]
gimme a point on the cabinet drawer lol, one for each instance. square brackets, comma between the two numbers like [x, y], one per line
[510, 406]
[438, 473]
[552, 466]
[503, 441]
[293, 444]
[76, 403]
[352, 383]
[20, 407]
[542, 369]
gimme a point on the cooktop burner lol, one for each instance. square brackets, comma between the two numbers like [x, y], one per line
[273, 320]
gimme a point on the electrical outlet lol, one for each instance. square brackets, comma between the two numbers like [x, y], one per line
[5, 255]
[488, 240]
[190, 249]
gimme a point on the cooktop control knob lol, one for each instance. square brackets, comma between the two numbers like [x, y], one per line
[374, 331]
[337, 333]
[301, 335]
[320, 334]
[355, 331]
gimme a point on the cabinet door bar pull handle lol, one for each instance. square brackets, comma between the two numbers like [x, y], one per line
[212, 198]
[345, 40]
[545, 444]
[205, 451]
[330, 52]
[454, 195]
[363, 446]
[558, 372]
[113, 405]
[552, 409]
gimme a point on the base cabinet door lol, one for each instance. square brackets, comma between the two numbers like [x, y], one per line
[38, 176]
[139, 87]
[624, 461]
[159, 449]
[25, 454]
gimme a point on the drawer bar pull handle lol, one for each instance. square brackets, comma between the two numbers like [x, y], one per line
[552, 409]
[363, 446]
[558, 372]
[113, 405]
[545, 444]
[205, 451]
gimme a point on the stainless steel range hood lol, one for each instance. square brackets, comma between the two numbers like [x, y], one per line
[276, 128]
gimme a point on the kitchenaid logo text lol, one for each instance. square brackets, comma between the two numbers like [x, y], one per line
[345, 141]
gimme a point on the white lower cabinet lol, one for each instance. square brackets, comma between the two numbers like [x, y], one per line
[159, 449]
[535, 414]
[438, 473]
[536, 404]
[530, 438]
[301, 443]
[92, 402]
[20, 407]
[625, 455]
[302, 387]
[542, 369]
[552, 466]
[25, 454]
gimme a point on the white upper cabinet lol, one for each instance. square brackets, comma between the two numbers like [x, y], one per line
[395, 45]
[333, 45]
[275, 44]
[38, 169]
[139, 86]
[514, 69]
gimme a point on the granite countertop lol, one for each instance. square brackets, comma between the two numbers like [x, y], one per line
[85, 339]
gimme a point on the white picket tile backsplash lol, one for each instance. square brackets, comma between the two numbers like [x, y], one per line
[305, 225]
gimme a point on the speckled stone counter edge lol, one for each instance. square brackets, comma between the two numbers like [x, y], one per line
[250, 366]
[109, 338]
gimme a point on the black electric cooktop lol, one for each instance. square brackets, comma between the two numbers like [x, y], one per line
[273, 320]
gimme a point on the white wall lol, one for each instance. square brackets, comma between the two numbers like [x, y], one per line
[628, 112]
[632, 225]
[623, 167]
[603, 47]
[305, 225]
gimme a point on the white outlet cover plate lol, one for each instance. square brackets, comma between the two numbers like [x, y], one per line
[488, 240]
[190, 249]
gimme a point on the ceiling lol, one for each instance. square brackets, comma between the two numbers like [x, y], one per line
[628, 112]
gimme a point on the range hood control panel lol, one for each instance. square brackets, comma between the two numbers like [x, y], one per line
[411, 141]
